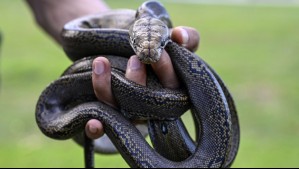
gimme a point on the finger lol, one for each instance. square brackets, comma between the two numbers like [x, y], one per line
[136, 71]
[101, 81]
[187, 37]
[94, 129]
[101, 78]
[165, 72]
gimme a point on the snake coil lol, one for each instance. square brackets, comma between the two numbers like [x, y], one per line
[68, 103]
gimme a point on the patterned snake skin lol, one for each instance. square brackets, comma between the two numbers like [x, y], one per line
[68, 103]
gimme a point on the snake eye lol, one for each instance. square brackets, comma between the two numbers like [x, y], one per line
[132, 40]
[135, 42]
[164, 43]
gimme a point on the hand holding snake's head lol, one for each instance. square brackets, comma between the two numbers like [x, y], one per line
[148, 37]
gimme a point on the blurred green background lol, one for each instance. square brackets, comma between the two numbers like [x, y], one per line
[253, 48]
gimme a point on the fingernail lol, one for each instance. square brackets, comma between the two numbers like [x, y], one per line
[185, 37]
[92, 129]
[134, 63]
[98, 67]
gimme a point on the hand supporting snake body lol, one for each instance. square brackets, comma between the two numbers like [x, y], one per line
[68, 103]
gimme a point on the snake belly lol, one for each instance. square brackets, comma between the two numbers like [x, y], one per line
[211, 103]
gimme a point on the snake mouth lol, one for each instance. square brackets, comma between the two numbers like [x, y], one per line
[148, 56]
[148, 60]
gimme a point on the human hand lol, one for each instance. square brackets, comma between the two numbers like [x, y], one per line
[101, 77]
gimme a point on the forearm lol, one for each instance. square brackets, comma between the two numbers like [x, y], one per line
[51, 15]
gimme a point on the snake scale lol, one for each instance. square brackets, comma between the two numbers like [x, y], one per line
[68, 103]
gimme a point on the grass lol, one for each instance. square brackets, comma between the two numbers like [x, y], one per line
[254, 50]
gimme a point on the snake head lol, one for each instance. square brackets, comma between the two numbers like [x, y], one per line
[148, 37]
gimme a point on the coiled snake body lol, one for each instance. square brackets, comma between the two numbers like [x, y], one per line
[68, 103]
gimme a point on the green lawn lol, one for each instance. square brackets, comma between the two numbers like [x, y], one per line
[254, 49]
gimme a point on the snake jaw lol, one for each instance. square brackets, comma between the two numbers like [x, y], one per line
[149, 56]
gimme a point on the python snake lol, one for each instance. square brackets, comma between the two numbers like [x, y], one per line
[68, 103]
